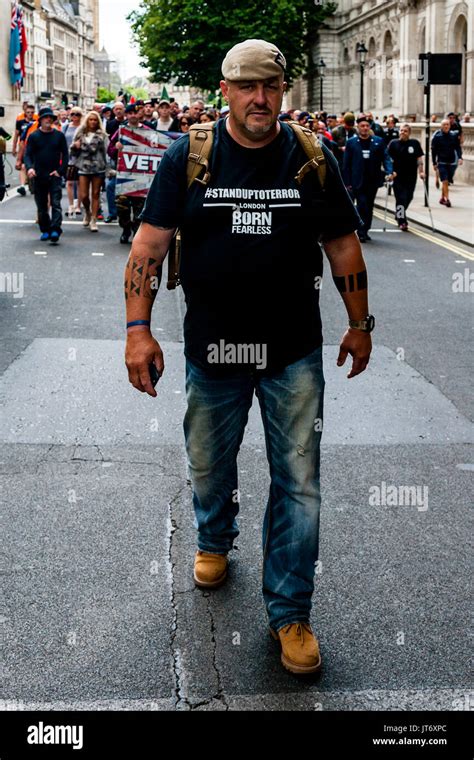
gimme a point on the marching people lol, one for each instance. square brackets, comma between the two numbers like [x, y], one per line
[148, 118]
[341, 134]
[117, 119]
[184, 123]
[407, 156]
[69, 130]
[89, 150]
[363, 158]
[390, 132]
[25, 120]
[129, 207]
[231, 267]
[165, 119]
[46, 161]
[446, 154]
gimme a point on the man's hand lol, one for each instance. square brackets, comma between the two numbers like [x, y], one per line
[54, 174]
[119, 146]
[460, 162]
[141, 350]
[358, 344]
[31, 173]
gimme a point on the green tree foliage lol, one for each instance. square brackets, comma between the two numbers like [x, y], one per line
[188, 39]
[104, 95]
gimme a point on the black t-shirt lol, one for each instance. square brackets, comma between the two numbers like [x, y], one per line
[112, 126]
[405, 155]
[47, 152]
[250, 251]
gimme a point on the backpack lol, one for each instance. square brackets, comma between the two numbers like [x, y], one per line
[201, 140]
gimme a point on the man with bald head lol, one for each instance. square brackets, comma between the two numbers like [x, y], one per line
[253, 327]
[446, 153]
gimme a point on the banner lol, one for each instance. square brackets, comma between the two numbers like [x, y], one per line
[138, 162]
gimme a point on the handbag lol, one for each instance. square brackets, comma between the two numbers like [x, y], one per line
[72, 173]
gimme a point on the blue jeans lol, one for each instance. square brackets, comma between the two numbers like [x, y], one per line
[110, 192]
[291, 406]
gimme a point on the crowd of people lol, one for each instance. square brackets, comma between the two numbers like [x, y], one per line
[370, 153]
[79, 151]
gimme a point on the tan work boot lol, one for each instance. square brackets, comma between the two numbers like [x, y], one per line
[210, 570]
[299, 648]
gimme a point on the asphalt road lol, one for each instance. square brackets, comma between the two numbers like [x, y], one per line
[98, 608]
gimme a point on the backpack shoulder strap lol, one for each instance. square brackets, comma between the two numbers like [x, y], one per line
[312, 147]
[201, 139]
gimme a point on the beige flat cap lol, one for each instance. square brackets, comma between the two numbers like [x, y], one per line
[253, 59]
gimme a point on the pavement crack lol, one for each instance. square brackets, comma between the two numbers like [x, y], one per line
[220, 695]
[181, 700]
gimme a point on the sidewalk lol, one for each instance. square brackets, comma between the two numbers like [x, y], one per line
[457, 221]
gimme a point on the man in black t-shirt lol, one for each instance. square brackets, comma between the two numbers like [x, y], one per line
[46, 160]
[406, 154]
[251, 271]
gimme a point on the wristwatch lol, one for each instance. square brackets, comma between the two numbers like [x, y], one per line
[367, 324]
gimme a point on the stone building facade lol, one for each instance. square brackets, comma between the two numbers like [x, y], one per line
[60, 60]
[394, 32]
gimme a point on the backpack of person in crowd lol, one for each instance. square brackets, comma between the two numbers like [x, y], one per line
[201, 140]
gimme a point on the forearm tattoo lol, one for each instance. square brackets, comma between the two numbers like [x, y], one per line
[349, 283]
[142, 277]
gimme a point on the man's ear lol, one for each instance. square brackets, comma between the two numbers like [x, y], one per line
[224, 89]
[285, 86]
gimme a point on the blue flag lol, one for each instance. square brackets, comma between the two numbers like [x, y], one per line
[14, 60]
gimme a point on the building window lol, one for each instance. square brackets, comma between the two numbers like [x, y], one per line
[58, 34]
[58, 54]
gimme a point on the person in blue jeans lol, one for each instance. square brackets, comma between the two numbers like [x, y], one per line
[252, 231]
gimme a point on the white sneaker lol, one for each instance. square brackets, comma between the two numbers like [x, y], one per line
[87, 219]
[93, 225]
[70, 211]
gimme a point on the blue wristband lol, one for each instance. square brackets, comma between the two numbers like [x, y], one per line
[138, 322]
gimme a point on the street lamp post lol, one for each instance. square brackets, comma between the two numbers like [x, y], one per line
[320, 68]
[361, 51]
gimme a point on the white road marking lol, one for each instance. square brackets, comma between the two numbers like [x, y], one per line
[41, 253]
[384, 231]
[72, 224]
[365, 699]
[409, 261]
[97, 254]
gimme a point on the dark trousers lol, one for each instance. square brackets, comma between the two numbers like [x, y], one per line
[365, 197]
[404, 191]
[129, 209]
[47, 188]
